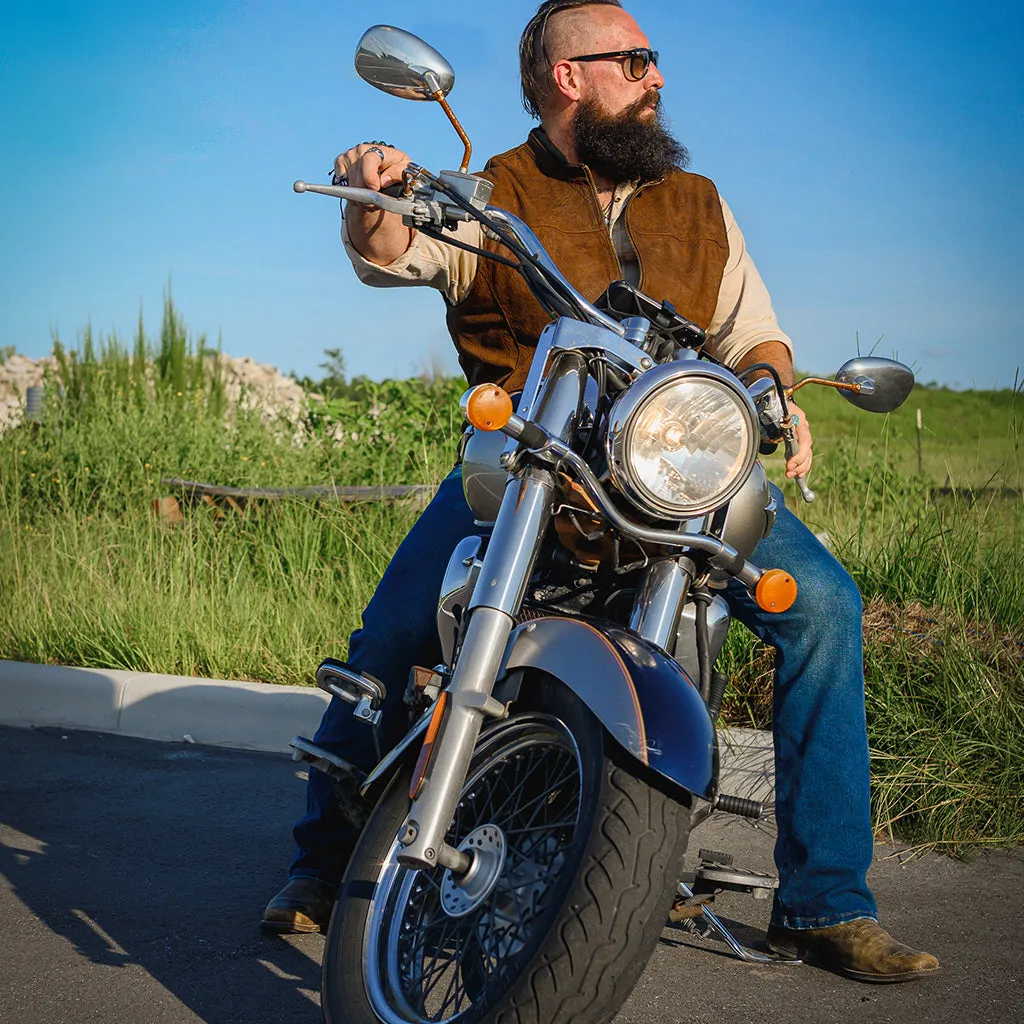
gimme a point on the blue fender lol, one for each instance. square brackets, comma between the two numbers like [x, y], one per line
[641, 696]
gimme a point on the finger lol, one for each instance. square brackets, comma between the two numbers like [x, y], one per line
[370, 164]
[344, 161]
[352, 165]
[800, 464]
[394, 164]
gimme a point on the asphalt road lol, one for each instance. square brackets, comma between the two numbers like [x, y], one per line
[133, 875]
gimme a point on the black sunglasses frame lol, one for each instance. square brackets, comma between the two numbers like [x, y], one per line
[643, 53]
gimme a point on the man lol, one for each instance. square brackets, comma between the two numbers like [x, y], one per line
[601, 184]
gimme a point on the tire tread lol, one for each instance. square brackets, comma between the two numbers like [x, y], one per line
[645, 832]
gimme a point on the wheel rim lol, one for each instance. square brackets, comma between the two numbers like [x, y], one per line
[424, 964]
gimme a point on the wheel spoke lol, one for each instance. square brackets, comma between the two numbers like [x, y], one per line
[530, 790]
[548, 826]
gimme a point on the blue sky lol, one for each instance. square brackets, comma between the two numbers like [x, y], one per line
[872, 153]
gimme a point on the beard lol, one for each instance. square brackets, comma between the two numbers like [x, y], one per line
[622, 147]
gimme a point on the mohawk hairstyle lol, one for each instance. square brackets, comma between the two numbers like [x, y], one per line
[534, 62]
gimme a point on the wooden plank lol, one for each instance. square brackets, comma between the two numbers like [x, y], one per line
[195, 489]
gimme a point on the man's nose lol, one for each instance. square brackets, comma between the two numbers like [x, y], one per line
[654, 79]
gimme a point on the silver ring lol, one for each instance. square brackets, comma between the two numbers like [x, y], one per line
[378, 151]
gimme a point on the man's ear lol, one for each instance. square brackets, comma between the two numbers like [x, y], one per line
[567, 80]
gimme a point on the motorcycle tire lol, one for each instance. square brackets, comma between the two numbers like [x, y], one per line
[594, 848]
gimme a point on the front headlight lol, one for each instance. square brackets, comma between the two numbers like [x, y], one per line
[682, 440]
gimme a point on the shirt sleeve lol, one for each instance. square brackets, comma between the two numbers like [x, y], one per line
[426, 262]
[744, 317]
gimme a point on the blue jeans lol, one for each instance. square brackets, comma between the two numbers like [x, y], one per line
[824, 844]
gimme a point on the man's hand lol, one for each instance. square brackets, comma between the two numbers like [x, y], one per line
[378, 236]
[777, 354]
[364, 166]
[800, 464]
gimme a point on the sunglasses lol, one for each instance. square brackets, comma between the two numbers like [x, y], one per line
[635, 62]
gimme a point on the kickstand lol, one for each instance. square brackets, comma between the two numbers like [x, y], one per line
[747, 955]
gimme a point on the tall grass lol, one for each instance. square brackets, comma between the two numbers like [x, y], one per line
[263, 597]
[90, 576]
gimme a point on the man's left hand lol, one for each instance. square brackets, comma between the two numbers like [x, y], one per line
[800, 464]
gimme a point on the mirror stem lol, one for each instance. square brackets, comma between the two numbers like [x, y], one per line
[464, 169]
[855, 388]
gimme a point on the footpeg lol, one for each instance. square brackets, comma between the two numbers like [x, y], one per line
[329, 763]
[739, 805]
[353, 687]
[348, 779]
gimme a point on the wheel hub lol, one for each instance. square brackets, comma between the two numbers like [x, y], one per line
[462, 895]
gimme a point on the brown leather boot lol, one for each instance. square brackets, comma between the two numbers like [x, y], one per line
[859, 949]
[303, 905]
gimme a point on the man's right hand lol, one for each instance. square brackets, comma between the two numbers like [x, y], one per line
[366, 168]
[378, 236]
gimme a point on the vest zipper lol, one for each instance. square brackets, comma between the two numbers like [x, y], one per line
[604, 223]
[629, 234]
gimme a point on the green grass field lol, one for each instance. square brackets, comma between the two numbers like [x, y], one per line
[90, 576]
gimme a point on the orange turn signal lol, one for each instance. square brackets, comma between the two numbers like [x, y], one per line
[776, 591]
[420, 774]
[487, 407]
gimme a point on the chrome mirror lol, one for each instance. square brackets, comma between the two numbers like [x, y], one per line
[873, 384]
[399, 63]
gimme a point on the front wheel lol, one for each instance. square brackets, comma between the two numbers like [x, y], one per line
[577, 860]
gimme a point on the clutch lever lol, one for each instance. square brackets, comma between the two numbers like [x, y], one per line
[367, 196]
[416, 211]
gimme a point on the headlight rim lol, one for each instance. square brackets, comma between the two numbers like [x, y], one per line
[630, 404]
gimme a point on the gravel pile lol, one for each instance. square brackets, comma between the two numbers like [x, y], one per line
[247, 383]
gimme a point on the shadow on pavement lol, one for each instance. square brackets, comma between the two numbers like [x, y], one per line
[152, 861]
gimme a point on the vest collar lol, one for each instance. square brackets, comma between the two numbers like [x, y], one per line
[550, 160]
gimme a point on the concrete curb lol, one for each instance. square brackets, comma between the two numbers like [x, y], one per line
[247, 716]
[216, 712]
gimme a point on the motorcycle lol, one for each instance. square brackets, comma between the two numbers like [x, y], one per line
[527, 834]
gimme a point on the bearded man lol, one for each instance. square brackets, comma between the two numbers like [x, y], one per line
[601, 182]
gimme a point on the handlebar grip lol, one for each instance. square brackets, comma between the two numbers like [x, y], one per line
[396, 191]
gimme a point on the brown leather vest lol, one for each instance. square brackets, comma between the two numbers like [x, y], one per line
[676, 227]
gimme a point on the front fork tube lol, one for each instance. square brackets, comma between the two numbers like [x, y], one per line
[659, 601]
[508, 564]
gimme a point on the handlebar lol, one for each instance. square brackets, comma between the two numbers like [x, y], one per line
[547, 282]
[540, 271]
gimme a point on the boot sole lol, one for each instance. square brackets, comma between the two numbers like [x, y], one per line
[290, 927]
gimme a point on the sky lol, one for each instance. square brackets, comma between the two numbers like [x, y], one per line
[872, 152]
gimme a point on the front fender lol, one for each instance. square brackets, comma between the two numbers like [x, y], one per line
[641, 696]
